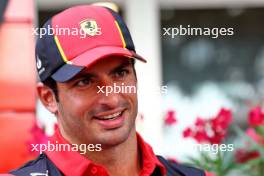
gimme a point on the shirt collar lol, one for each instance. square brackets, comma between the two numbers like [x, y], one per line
[74, 163]
[149, 159]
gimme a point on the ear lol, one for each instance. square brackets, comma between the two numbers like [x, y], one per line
[47, 98]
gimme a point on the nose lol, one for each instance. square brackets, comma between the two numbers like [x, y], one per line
[109, 98]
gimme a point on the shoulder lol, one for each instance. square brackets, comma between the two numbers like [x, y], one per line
[36, 165]
[41, 165]
[180, 169]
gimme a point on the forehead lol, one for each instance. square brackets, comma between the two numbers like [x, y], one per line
[106, 65]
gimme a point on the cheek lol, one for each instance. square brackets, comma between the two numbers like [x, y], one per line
[135, 104]
[75, 106]
[133, 101]
[132, 96]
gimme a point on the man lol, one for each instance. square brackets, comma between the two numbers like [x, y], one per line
[75, 68]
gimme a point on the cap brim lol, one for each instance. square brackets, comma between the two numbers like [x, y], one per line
[68, 71]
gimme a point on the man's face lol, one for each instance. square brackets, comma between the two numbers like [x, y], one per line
[87, 115]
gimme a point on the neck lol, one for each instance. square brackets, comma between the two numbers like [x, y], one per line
[120, 159]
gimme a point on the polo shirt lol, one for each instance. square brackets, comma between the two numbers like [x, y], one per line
[73, 163]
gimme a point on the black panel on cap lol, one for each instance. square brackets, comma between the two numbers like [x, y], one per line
[48, 58]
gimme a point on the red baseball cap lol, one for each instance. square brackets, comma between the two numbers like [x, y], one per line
[78, 37]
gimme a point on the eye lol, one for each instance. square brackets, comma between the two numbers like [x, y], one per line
[83, 82]
[121, 73]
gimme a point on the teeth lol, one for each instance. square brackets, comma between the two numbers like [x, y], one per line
[111, 116]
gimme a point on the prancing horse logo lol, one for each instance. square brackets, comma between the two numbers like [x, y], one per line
[89, 27]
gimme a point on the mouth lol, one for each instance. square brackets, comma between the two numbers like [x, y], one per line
[111, 119]
[110, 116]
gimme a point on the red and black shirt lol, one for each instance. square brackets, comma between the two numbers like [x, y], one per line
[73, 163]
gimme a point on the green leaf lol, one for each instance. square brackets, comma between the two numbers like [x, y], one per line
[260, 130]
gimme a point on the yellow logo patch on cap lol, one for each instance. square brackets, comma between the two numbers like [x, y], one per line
[90, 27]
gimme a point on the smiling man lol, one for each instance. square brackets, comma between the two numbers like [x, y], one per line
[72, 68]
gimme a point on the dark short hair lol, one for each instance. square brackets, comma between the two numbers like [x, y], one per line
[52, 84]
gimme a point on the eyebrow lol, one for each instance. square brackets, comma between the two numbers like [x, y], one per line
[121, 66]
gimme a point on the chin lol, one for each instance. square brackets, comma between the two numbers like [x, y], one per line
[114, 137]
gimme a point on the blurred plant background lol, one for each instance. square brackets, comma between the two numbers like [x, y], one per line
[225, 149]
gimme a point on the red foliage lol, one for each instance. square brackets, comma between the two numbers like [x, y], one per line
[187, 132]
[210, 130]
[256, 117]
[255, 136]
[170, 118]
[243, 156]
[209, 174]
